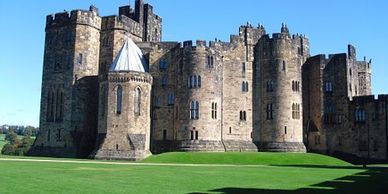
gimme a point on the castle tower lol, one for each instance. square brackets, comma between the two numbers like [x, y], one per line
[124, 108]
[69, 80]
[278, 90]
[199, 99]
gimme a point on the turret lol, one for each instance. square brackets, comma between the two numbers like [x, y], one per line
[278, 115]
[139, 11]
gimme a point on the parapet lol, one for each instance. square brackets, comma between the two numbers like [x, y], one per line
[86, 17]
[122, 22]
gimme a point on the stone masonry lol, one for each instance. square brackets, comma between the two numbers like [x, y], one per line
[257, 92]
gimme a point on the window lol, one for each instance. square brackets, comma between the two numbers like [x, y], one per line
[230, 130]
[163, 65]
[243, 69]
[59, 106]
[328, 87]
[330, 114]
[243, 115]
[269, 111]
[284, 66]
[50, 107]
[295, 111]
[285, 129]
[270, 85]
[80, 58]
[164, 134]
[165, 80]
[55, 105]
[295, 86]
[196, 135]
[214, 110]
[192, 135]
[194, 81]
[194, 110]
[360, 115]
[210, 62]
[244, 87]
[171, 99]
[137, 102]
[59, 137]
[157, 102]
[119, 99]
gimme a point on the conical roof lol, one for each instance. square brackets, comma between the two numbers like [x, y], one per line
[129, 58]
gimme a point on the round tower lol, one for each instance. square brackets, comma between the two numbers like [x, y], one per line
[124, 108]
[278, 68]
[200, 99]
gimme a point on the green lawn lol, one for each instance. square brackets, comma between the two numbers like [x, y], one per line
[254, 158]
[273, 177]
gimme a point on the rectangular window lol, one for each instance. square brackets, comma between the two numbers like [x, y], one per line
[164, 134]
[192, 135]
[196, 135]
[269, 111]
[163, 65]
[171, 99]
[80, 58]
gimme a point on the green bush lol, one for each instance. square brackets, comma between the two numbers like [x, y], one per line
[16, 146]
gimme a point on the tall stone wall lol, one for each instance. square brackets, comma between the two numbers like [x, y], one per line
[69, 80]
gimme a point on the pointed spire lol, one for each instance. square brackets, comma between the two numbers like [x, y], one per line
[129, 58]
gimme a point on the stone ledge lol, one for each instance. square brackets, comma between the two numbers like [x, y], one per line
[281, 146]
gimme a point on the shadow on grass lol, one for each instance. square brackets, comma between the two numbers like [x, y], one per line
[372, 181]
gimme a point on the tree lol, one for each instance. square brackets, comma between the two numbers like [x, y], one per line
[12, 138]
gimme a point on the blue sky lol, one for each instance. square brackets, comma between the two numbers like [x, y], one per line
[329, 24]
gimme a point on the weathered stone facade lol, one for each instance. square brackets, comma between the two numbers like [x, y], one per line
[254, 93]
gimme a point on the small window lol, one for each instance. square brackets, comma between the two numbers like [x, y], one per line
[119, 98]
[285, 129]
[214, 110]
[243, 69]
[230, 130]
[269, 111]
[171, 99]
[157, 102]
[295, 111]
[192, 135]
[163, 65]
[284, 66]
[244, 87]
[137, 102]
[328, 87]
[196, 135]
[165, 134]
[165, 81]
[80, 58]
[360, 115]
[270, 86]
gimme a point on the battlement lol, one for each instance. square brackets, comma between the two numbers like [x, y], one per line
[122, 22]
[86, 17]
[369, 99]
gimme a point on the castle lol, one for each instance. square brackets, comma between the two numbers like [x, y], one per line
[105, 97]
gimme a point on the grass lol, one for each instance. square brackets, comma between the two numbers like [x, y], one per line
[279, 175]
[254, 158]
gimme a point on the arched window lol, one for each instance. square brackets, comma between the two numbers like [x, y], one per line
[196, 110]
[119, 96]
[137, 103]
